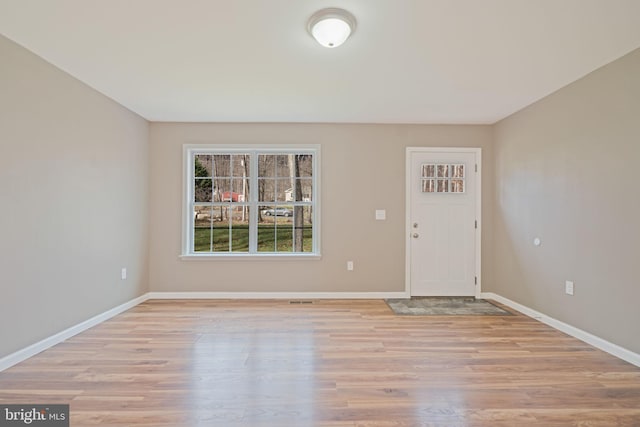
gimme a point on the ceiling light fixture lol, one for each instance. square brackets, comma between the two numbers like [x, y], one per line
[331, 27]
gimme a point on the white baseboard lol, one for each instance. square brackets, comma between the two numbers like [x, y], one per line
[276, 295]
[27, 352]
[604, 345]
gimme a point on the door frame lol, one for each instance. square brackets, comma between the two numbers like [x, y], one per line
[408, 230]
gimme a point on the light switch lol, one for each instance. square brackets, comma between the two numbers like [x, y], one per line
[381, 214]
[568, 287]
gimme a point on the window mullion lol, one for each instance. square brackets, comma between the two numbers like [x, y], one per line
[191, 221]
[253, 203]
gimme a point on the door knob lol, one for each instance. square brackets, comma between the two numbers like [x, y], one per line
[416, 235]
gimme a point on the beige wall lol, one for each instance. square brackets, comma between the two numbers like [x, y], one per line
[74, 198]
[363, 169]
[566, 172]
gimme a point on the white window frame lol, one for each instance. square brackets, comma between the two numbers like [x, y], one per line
[188, 153]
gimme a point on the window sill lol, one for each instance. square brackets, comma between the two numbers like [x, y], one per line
[251, 257]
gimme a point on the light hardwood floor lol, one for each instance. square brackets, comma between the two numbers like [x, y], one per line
[331, 363]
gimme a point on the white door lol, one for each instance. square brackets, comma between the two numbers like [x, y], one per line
[443, 220]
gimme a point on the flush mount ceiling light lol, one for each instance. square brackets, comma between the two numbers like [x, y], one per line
[331, 27]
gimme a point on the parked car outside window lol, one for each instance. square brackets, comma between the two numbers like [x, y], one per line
[278, 212]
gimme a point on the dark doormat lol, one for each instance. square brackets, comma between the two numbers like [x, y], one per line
[445, 306]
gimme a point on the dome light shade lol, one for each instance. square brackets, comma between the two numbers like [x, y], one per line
[331, 27]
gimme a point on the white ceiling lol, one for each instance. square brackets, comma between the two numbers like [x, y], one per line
[409, 61]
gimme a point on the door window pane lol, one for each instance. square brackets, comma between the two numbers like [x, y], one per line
[458, 171]
[428, 185]
[428, 171]
[442, 186]
[457, 186]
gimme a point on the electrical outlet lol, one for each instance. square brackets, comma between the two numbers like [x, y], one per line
[350, 265]
[568, 287]
[123, 274]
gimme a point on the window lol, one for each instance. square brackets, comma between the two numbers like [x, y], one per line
[251, 201]
[443, 178]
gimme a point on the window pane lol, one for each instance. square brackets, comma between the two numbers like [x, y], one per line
[304, 163]
[443, 171]
[202, 229]
[240, 229]
[222, 190]
[442, 186]
[428, 171]
[202, 166]
[267, 190]
[303, 190]
[283, 163]
[428, 185]
[266, 166]
[222, 165]
[457, 171]
[221, 231]
[457, 186]
[283, 190]
[202, 185]
[240, 165]
[266, 229]
[302, 229]
[202, 190]
[239, 190]
[285, 237]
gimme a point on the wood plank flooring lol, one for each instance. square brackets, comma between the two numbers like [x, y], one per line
[331, 363]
